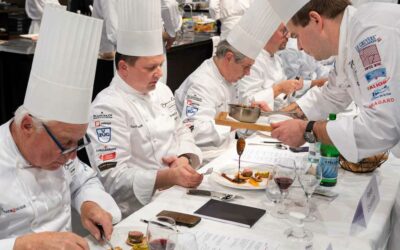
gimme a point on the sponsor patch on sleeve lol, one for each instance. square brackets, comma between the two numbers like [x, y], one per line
[370, 57]
[375, 74]
[107, 165]
[191, 111]
[108, 156]
[103, 134]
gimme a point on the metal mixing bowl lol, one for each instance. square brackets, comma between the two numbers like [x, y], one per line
[244, 113]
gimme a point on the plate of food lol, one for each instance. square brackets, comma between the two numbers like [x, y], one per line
[250, 178]
[124, 238]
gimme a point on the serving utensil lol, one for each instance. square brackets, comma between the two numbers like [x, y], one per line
[213, 194]
[103, 237]
[251, 114]
[240, 145]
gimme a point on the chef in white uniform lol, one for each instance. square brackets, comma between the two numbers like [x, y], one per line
[210, 89]
[267, 81]
[297, 63]
[229, 13]
[139, 144]
[34, 10]
[366, 73]
[40, 175]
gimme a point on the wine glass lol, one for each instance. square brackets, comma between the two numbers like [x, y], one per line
[298, 233]
[273, 194]
[161, 232]
[285, 173]
[182, 241]
[309, 181]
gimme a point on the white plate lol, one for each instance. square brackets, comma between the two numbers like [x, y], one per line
[232, 170]
[118, 238]
[271, 119]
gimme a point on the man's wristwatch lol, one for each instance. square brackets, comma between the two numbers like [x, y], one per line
[187, 157]
[309, 134]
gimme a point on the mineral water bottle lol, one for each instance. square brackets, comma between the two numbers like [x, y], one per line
[329, 162]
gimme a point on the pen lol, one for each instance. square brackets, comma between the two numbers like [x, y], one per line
[158, 224]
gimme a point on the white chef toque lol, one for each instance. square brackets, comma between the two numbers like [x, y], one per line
[61, 81]
[139, 28]
[254, 29]
[286, 9]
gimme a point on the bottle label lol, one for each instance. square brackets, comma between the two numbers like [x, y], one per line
[330, 167]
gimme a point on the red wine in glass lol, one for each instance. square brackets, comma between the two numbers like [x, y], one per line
[160, 244]
[283, 182]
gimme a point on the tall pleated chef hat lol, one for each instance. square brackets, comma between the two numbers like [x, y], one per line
[139, 28]
[61, 81]
[259, 22]
[286, 9]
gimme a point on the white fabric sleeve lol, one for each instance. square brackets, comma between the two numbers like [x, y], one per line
[110, 19]
[85, 186]
[205, 131]
[7, 244]
[215, 9]
[187, 145]
[317, 103]
[171, 16]
[124, 180]
[376, 128]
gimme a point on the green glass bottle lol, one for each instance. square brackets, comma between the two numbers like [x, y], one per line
[329, 162]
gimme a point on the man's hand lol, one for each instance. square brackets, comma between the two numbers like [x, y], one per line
[92, 215]
[51, 241]
[290, 132]
[185, 176]
[288, 87]
[262, 105]
[169, 41]
[174, 161]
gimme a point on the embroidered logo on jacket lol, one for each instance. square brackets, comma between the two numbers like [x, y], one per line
[375, 74]
[103, 134]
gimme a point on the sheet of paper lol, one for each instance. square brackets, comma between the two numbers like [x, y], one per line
[268, 154]
[212, 241]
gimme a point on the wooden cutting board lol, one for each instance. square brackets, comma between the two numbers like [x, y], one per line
[222, 119]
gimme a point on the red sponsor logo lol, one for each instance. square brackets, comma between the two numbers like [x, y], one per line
[189, 102]
[97, 124]
[381, 101]
[378, 84]
[107, 157]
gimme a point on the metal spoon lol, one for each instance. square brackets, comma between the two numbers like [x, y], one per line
[240, 145]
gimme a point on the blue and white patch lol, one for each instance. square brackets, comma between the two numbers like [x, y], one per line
[375, 74]
[191, 111]
[103, 134]
[381, 92]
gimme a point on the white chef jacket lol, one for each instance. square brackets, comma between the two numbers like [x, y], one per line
[366, 72]
[107, 11]
[357, 3]
[130, 134]
[264, 74]
[34, 200]
[228, 12]
[34, 10]
[199, 99]
[297, 63]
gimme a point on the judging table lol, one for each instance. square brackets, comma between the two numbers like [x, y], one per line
[332, 229]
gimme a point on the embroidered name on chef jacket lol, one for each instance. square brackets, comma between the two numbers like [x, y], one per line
[11, 210]
[171, 107]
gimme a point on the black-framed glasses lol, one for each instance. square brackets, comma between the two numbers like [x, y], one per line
[83, 142]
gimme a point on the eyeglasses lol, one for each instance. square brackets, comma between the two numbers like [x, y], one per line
[83, 142]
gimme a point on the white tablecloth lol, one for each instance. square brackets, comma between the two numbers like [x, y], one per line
[335, 217]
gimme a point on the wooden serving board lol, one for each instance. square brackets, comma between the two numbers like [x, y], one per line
[222, 119]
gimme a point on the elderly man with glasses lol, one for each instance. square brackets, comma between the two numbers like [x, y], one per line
[40, 175]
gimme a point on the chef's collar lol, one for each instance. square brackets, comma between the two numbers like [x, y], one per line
[20, 160]
[129, 89]
[215, 69]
